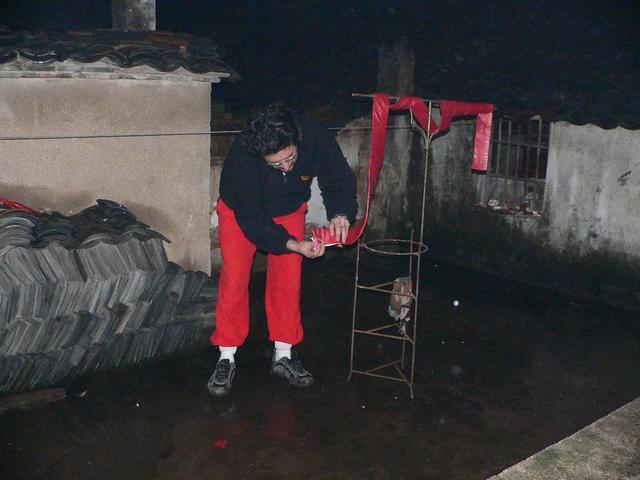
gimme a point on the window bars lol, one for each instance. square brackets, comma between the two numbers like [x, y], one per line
[517, 166]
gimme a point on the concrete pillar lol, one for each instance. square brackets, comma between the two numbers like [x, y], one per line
[133, 14]
[396, 64]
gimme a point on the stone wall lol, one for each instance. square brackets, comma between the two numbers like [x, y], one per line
[164, 179]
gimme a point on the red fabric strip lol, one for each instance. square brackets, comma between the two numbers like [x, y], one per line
[17, 206]
[379, 119]
[450, 109]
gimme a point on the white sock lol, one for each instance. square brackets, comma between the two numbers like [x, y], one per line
[282, 350]
[227, 353]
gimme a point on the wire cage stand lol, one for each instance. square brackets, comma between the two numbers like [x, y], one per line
[402, 369]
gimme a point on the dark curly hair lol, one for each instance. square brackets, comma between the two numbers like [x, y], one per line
[270, 130]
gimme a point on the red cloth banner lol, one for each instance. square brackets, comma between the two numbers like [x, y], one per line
[484, 111]
[379, 120]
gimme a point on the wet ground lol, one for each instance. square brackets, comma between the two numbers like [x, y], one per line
[507, 372]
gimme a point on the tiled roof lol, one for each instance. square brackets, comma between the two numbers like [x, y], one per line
[162, 51]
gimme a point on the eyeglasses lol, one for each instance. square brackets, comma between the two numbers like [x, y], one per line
[289, 160]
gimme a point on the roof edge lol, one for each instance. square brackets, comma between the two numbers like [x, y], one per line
[102, 70]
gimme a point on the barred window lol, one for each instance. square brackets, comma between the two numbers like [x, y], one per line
[517, 170]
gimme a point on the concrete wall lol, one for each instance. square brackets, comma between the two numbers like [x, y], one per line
[586, 240]
[164, 180]
[593, 189]
[449, 178]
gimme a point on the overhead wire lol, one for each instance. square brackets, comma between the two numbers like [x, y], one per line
[174, 134]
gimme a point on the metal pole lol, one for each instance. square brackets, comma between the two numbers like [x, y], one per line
[355, 301]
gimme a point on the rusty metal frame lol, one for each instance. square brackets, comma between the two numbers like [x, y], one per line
[403, 369]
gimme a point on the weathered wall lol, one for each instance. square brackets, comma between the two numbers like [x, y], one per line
[219, 147]
[593, 189]
[164, 180]
[586, 241]
[450, 180]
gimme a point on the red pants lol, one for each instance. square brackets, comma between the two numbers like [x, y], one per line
[282, 296]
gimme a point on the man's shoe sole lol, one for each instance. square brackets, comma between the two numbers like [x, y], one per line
[219, 392]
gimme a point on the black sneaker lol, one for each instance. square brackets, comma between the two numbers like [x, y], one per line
[220, 382]
[291, 369]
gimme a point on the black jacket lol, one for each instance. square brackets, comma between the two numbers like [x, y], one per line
[257, 192]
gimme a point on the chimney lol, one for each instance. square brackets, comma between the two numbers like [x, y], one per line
[133, 15]
[396, 63]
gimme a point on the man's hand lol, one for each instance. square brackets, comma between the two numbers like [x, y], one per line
[306, 248]
[339, 227]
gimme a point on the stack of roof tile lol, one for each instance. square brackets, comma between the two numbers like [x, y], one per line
[163, 51]
[91, 291]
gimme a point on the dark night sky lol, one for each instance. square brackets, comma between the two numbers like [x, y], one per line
[318, 52]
